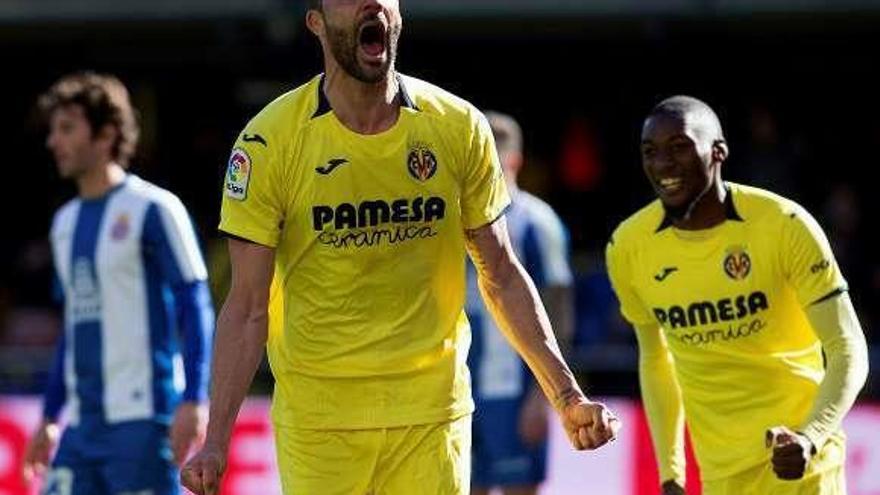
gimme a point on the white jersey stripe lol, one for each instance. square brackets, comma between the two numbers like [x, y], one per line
[61, 235]
[179, 232]
[552, 241]
[127, 364]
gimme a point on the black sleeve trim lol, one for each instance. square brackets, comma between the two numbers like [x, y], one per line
[227, 235]
[490, 222]
[831, 295]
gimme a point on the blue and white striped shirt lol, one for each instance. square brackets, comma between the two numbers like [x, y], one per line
[133, 279]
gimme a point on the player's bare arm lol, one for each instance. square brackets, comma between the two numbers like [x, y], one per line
[512, 298]
[559, 303]
[240, 340]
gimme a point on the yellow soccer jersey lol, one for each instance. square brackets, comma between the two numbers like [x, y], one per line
[730, 301]
[366, 322]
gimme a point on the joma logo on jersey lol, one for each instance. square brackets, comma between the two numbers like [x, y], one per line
[706, 312]
[377, 212]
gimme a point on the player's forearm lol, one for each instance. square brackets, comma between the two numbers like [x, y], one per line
[514, 302]
[238, 350]
[661, 397]
[846, 355]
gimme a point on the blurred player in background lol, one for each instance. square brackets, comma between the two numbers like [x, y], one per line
[735, 295]
[132, 277]
[510, 420]
[359, 192]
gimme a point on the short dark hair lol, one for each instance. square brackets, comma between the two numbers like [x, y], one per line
[314, 4]
[682, 105]
[104, 100]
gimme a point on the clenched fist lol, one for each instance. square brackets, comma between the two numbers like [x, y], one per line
[792, 452]
[589, 425]
[202, 474]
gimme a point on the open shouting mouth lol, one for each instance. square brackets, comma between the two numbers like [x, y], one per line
[373, 41]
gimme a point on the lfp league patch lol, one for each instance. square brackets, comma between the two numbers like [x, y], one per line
[238, 173]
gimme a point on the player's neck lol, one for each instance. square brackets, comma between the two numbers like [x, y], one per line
[98, 180]
[362, 107]
[512, 187]
[708, 212]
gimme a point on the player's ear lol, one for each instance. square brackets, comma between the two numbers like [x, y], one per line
[720, 151]
[315, 22]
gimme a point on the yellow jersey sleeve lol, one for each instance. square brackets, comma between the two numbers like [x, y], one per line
[484, 193]
[251, 207]
[808, 262]
[619, 271]
[661, 395]
[846, 357]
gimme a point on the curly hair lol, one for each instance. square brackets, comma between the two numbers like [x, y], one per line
[104, 100]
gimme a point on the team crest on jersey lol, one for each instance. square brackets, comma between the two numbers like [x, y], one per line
[120, 228]
[238, 173]
[737, 264]
[421, 162]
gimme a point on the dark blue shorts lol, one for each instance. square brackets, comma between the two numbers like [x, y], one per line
[131, 458]
[499, 457]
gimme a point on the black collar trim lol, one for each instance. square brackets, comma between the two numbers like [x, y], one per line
[324, 104]
[730, 212]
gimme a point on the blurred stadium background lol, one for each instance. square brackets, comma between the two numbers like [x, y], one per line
[795, 83]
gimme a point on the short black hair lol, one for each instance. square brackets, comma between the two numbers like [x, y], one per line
[681, 106]
[314, 4]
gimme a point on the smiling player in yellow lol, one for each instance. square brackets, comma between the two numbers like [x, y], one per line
[354, 197]
[734, 294]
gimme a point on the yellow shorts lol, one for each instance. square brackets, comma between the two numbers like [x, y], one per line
[432, 459]
[827, 478]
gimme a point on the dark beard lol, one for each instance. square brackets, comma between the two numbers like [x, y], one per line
[344, 45]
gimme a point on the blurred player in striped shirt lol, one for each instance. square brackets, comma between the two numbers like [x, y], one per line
[132, 363]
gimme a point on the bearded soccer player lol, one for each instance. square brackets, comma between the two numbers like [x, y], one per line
[129, 267]
[734, 294]
[349, 203]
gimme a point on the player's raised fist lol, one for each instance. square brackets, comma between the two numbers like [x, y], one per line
[202, 474]
[589, 425]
